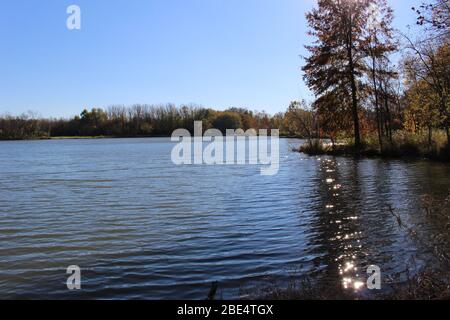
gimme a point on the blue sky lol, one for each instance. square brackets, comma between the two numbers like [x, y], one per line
[215, 53]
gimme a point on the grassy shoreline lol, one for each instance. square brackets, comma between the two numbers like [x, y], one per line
[397, 150]
[427, 284]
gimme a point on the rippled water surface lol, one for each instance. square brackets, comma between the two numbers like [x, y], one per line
[141, 227]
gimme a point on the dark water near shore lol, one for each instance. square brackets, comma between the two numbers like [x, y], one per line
[141, 227]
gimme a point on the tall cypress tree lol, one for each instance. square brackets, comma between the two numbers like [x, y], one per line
[335, 64]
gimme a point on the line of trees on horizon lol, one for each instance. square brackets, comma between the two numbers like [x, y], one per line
[134, 121]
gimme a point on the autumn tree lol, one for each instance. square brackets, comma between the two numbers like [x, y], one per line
[427, 72]
[380, 44]
[300, 120]
[227, 120]
[335, 65]
[92, 122]
[435, 16]
[333, 122]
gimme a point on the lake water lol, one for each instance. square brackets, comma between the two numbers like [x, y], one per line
[141, 227]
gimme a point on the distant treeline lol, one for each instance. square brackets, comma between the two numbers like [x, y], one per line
[135, 121]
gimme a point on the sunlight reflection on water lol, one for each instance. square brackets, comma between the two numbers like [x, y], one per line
[141, 227]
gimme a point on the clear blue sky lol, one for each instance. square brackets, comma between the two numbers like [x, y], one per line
[216, 53]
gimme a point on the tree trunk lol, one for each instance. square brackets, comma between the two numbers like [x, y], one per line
[389, 121]
[445, 116]
[430, 137]
[377, 105]
[448, 135]
[353, 87]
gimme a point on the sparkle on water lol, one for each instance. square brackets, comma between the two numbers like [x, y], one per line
[141, 227]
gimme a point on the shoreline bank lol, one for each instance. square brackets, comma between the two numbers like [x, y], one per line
[401, 152]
